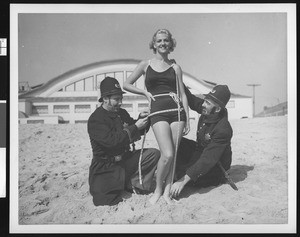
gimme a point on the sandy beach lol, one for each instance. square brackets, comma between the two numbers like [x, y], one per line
[53, 180]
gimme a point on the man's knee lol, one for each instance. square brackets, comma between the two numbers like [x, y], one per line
[187, 144]
[155, 153]
[152, 154]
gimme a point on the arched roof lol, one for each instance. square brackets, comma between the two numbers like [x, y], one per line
[76, 74]
[66, 76]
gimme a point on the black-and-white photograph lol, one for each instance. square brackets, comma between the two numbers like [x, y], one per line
[90, 151]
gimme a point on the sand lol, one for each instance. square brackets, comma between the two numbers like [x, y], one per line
[53, 181]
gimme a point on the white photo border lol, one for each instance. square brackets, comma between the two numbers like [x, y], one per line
[15, 9]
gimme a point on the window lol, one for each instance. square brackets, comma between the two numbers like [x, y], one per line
[82, 108]
[99, 78]
[143, 106]
[119, 76]
[61, 109]
[89, 84]
[128, 73]
[35, 121]
[140, 83]
[70, 87]
[80, 121]
[128, 107]
[63, 121]
[110, 74]
[79, 85]
[40, 109]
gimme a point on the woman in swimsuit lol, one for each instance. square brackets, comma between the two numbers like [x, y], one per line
[162, 78]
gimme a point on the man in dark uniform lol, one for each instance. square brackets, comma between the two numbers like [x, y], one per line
[197, 162]
[115, 167]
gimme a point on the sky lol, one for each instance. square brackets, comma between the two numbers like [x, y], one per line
[233, 48]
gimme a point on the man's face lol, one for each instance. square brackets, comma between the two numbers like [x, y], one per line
[113, 102]
[208, 107]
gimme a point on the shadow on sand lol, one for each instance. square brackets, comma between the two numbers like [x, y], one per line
[237, 173]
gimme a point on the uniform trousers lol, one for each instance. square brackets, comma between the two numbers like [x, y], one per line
[188, 154]
[108, 179]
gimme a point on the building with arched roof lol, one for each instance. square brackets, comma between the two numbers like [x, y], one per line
[73, 96]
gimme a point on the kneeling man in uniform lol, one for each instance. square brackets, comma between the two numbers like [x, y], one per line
[115, 165]
[204, 162]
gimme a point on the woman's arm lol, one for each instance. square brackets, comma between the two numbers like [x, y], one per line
[135, 75]
[183, 97]
[194, 102]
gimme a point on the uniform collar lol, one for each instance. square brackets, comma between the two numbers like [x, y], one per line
[214, 118]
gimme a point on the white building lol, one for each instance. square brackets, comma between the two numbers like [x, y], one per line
[73, 96]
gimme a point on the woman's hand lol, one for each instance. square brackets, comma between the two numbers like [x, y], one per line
[186, 129]
[149, 96]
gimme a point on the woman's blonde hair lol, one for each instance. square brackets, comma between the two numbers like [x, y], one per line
[162, 31]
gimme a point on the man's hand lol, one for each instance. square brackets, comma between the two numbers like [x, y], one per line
[176, 189]
[178, 186]
[144, 113]
[141, 123]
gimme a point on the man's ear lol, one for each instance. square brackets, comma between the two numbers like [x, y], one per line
[218, 109]
[105, 98]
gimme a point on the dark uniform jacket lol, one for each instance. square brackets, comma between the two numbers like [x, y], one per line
[110, 135]
[213, 143]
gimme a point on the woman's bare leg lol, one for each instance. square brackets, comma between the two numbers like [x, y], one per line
[163, 135]
[175, 133]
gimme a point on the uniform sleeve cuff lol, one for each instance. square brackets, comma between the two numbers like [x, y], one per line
[133, 133]
[194, 176]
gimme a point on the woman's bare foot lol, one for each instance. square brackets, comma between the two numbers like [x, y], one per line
[154, 198]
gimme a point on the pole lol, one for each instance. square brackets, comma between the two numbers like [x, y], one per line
[253, 85]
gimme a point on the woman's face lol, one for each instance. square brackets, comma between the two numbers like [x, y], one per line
[162, 43]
